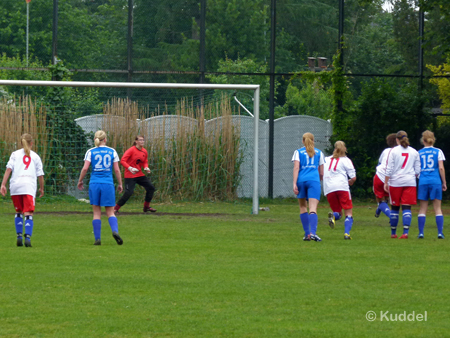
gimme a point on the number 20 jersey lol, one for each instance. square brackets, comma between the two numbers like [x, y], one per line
[25, 171]
[429, 161]
[102, 159]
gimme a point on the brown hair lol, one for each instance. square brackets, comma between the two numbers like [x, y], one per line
[26, 141]
[402, 136]
[137, 138]
[428, 137]
[308, 141]
[100, 135]
[390, 140]
[339, 149]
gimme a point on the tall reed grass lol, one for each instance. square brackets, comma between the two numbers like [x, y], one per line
[188, 159]
[23, 115]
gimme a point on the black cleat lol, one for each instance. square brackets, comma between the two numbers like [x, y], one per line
[19, 240]
[149, 209]
[27, 241]
[117, 238]
[98, 242]
[316, 238]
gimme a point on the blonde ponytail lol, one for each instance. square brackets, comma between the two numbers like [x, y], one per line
[308, 141]
[339, 149]
[402, 137]
[99, 136]
[428, 138]
[26, 141]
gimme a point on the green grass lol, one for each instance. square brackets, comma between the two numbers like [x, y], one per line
[236, 275]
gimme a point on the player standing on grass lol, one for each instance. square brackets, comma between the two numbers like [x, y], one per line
[403, 166]
[134, 160]
[339, 175]
[101, 184]
[431, 182]
[308, 172]
[378, 180]
[25, 166]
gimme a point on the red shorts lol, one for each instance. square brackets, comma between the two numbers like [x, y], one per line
[403, 195]
[339, 200]
[23, 203]
[378, 188]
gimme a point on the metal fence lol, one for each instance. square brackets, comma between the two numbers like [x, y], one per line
[259, 41]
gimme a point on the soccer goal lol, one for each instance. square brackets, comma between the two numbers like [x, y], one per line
[193, 133]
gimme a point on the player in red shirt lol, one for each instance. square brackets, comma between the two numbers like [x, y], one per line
[134, 160]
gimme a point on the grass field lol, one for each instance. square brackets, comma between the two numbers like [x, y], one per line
[229, 275]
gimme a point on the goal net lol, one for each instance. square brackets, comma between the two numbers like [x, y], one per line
[201, 144]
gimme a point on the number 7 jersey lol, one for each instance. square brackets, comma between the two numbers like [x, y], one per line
[25, 171]
[102, 159]
[403, 166]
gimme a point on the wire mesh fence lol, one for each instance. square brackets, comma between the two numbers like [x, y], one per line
[220, 41]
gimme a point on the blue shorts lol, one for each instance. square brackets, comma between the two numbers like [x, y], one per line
[429, 192]
[102, 195]
[309, 189]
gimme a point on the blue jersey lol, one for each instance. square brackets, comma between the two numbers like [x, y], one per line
[102, 159]
[309, 166]
[429, 163]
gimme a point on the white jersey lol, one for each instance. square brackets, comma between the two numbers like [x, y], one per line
[25, 171]
[336, 173]
[382, 163]
[403, 166]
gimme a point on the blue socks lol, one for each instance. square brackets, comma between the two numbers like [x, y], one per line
[406, 220]
[29, 225]
[348, 224]
[421, 219]
[97, 225]
[440, 223]
[394, 221]
[113, 224]
[313, 220]
[384, 208]
[337, 216]
[304, 218]
[18, 221]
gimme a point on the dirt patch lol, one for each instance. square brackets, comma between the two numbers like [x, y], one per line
[126, 213]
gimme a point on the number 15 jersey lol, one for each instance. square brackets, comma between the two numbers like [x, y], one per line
[25, 171]
[102, 159]
[429, 159]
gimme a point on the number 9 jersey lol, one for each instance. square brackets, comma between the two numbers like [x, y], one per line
[102, 159]
[25, 171]
[429, 160]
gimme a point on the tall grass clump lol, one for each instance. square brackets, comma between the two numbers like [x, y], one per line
[188, 159]
[23, 115]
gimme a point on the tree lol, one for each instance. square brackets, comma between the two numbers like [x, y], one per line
[246, 66]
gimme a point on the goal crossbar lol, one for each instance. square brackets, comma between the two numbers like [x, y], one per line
[254, 88]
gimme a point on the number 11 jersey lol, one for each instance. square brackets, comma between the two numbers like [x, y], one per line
[25, 171]
[102, 159]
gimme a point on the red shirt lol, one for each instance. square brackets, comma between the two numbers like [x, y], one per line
[135, 158]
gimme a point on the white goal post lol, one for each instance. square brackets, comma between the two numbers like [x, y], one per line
[254, 88]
